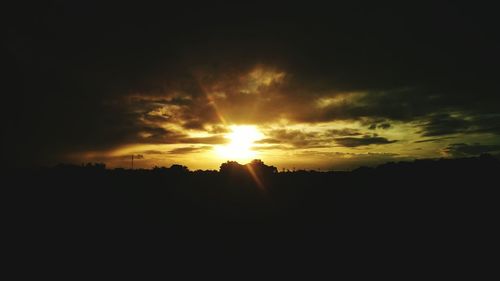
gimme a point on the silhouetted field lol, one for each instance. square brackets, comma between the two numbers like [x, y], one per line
[425, 207]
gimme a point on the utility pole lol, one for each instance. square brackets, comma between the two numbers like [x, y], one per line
[132, 161]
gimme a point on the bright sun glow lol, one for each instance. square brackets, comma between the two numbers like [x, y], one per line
[240, 146]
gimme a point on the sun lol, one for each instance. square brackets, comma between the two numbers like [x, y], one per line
[241, 139]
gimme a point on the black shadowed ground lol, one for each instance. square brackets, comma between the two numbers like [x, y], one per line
[408, 208]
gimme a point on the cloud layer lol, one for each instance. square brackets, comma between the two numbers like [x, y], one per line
[180, 75]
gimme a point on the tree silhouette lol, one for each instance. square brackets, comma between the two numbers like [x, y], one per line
[258, 166]
[179, 169]
[242, 202]
[231, 167]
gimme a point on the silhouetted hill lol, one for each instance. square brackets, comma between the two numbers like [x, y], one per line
[446, 206]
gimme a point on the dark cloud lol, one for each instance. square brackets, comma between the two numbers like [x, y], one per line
[157, 135]
[95, 76]
[289, 138]
[343, 132]
[366, 140]
[487, 123]
[153, 152]
[384, 126]
[371, 106]
[465, 150]
[444, 124]
[269, 141]
[217, 129]
[296, 138]
[205, 140]
[350, 161]
[189, 149]
[433, 140]
[272, 147]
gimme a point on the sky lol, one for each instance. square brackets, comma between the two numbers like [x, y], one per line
[300, 86]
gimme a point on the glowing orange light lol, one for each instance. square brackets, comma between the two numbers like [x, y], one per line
[240, 146]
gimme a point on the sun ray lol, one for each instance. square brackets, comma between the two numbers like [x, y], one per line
[212, 102]
[256, 178]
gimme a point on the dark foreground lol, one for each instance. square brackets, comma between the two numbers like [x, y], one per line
[423, 213]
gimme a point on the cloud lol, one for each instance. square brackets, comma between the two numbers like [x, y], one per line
[133, 75]
[349, 161]
[296, 138]
[465, 150]
[321, 139]
[487, 123]
[444, 124]
[162, 136]
[189, 149]
[157, 135]
[366, 140]
[269, 141]
[433, 140]
[217, 139]
[343, 132]
[272, 147]
[153, 152]
[384, 126]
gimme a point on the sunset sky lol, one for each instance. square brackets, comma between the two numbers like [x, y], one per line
[298, 86]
